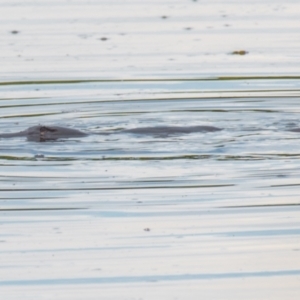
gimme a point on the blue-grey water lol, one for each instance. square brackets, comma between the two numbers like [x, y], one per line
[210, 215]
[134, 209]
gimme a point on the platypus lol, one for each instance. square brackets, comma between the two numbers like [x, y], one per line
[45, 133]
[41, 133]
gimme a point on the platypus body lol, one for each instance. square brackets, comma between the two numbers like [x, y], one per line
[163, 131]
[52, 133]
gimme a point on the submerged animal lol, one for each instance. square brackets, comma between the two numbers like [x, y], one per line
[45, 133]
[51, 133]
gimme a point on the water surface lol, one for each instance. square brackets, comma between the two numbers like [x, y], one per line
[188, 216]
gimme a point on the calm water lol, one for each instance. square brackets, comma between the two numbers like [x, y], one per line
[124, 216]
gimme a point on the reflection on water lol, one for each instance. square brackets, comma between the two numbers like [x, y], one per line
[150, 201]
[210, 215]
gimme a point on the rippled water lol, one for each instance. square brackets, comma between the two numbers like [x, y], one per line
[131, 209]
[123, 216]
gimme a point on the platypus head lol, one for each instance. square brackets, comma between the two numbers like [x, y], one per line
[51, 133]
